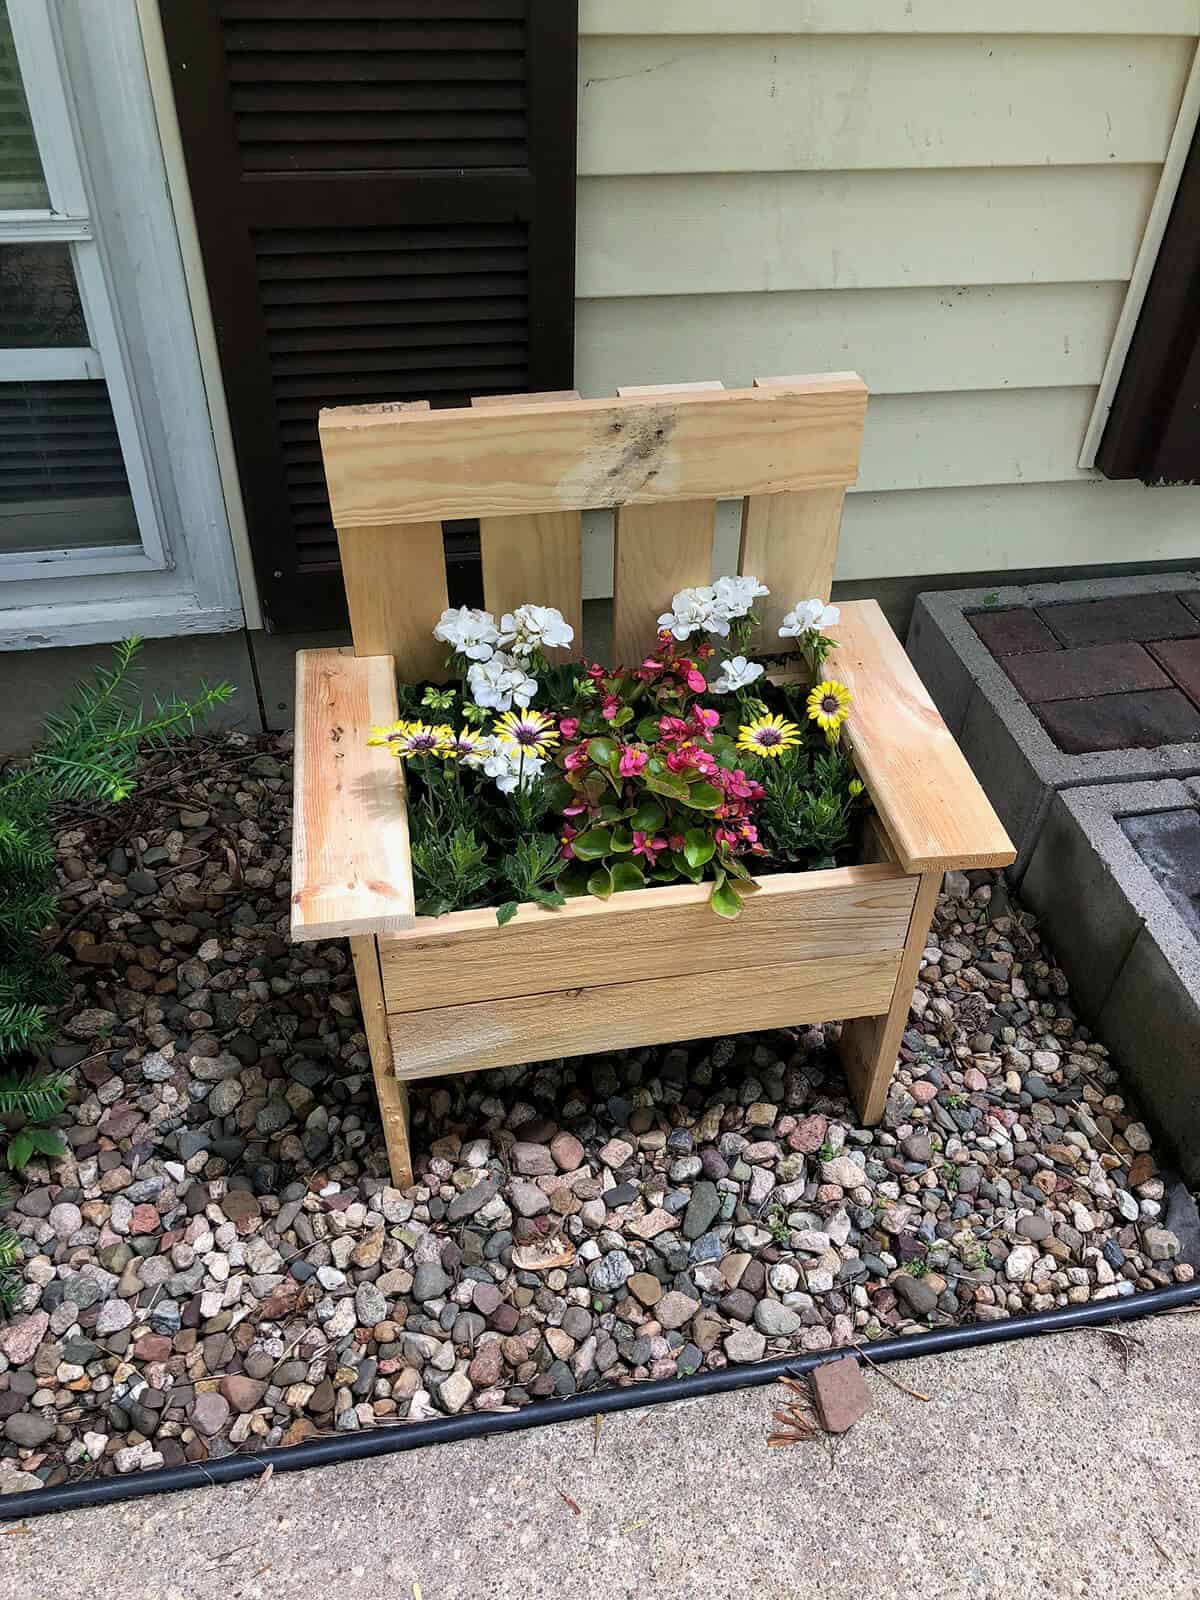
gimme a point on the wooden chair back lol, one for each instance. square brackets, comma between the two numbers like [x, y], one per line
[527, 466]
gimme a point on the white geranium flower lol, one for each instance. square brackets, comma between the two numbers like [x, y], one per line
[736, 673]
[809, 616]
[472, 633]
[499, 682]
[508, 765]
[531, 628]
[695, 611]
[736, 596]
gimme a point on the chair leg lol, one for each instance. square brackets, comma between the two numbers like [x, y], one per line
[390, 1091]
[870, 1045]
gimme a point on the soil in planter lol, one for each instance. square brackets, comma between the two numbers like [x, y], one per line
[223, 1265]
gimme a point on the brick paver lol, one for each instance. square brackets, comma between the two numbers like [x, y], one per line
[1013, 632]
[1181, 658]
[1142, 617]
[1121, 721]
[1092, 670]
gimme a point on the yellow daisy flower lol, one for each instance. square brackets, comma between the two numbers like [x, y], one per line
[421, 739]
[768, 736]
[829, 705]
[528, 730]
[388, 733]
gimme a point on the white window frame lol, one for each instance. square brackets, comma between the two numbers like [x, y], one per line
[68, 219]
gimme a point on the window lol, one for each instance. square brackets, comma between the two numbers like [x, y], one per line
[76, 495]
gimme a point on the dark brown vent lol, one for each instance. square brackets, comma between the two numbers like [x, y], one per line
[385, 196]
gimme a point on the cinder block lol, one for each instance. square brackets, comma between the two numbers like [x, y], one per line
[1013, 755]
[1133, 963]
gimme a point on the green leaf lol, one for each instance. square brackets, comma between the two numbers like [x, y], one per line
[704, 797]
[550, 898]
[649, 817]
[627, 875]
[611, 813]
[622, 840]
[684, 867]
[506, 912]
[647, 730]
[593, 844]
[670, 786]
[573, 883]
[601, 883]
[698, 847]
[725, 900]
[559, 794]
[20, 1148]
[47, 1141]
[624, 716]
[601, 751]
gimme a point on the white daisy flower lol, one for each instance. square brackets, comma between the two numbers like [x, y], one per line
[736, 596]
[499, 682]
[736, 673]
[808, 616]
[695, 611]
[531, 628]
[508, 765]
[472, 633]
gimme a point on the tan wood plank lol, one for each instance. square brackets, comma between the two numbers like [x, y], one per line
[935, 811]
[534, 558]
[789, 542]
[388, 466]
[350, 863]
[870, 1045]
[657, 550]
[390, 1092]
[395, 580]
[655, 933]
[616, 1016]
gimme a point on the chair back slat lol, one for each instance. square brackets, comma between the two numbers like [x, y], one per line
[537, 558]
[527, 465]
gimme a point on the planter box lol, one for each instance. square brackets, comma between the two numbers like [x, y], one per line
[460, 993]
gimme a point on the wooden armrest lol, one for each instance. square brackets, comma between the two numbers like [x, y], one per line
[351, 871]
[930, 801]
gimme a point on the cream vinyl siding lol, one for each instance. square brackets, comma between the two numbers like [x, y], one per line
[947, 200]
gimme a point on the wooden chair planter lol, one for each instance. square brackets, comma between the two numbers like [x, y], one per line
[460, 994]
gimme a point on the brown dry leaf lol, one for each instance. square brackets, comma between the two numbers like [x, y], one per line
[543, 1255]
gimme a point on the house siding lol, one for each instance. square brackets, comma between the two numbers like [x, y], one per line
[948, 203]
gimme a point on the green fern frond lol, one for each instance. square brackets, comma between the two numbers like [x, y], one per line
[36, 1096]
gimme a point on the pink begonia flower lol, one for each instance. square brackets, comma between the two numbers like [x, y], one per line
[611, 705]
[596, 672]
[566, 850]
[632, 761]
[725, 836]
[676, 841]
[576, 810]
[568, 727]
[671, 728]
[574, 759]
[695, 680]
[644, 845]
[704, 720]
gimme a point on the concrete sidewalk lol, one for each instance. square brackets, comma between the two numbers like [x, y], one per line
[1064, 1466]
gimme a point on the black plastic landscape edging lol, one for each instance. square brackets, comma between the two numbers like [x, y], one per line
[386, 1440]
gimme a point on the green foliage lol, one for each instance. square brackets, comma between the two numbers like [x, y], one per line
[532, 867]
[89, 752]
[807, 813]
[450, 870]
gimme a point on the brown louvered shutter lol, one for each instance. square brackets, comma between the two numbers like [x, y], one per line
[384, 191]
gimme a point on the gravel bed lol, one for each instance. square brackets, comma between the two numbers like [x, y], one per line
[222, 1263]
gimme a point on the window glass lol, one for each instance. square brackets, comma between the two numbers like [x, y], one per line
[39, 298]
[22, 182]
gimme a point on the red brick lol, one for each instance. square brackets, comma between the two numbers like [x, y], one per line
[1094, 669]
[1013, 633]
[1135, 616]
[841, 1394]
[1121, 721]
[1181, 658]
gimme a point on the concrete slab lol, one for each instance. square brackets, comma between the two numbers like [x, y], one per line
[38, 683]
[1132, 959]
[1012, 753]
[1046, 1468]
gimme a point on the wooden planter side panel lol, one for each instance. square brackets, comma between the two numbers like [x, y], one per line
[650, 934]
[617, 1016]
